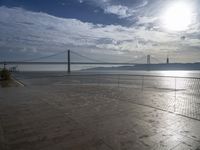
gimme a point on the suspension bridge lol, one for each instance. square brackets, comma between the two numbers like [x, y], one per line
[83, 60]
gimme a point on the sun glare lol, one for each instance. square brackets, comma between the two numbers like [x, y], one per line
[177, 17]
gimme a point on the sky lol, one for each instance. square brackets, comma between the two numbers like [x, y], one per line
[107, 30]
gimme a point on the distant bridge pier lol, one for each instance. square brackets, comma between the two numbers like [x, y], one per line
[4, 65]
[148, 59]
[167, 60]
[68, 62]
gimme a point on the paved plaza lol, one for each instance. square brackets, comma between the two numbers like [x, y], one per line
[100, 112]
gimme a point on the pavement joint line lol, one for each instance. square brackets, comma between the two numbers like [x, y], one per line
[3, 141]
[18, 81]
[67, 114]
[106, 144]
[22, 84]
[78, 123]
[164, 110]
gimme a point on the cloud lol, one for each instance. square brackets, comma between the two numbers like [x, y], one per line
[143, 4]
[33, 33]
[121, 11]
[146, 20]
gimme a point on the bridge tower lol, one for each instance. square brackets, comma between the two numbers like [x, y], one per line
[167, 60]
[148, 59]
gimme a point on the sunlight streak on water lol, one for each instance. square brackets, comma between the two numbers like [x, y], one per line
[174, 82]
[175, 73]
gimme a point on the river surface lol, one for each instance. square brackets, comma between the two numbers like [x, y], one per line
[81, 69]
[195, 74]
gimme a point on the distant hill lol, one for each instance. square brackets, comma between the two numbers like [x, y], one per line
[173, 66]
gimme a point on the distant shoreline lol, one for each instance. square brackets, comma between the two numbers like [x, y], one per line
[155, 67]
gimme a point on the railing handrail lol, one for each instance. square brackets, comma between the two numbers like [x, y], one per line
[139, 75]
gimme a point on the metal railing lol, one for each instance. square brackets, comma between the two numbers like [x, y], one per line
[179, 95]
[142, 82]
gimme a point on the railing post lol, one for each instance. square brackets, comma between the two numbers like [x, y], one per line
[175, 95]
[118, 82]
[142, 83]
[68, 62]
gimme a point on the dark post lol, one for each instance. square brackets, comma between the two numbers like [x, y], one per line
[68, 63]
[4, 65]
[148, 59]
[167, 60]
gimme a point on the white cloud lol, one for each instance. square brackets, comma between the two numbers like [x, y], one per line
[146, 20]
[119, 8]
[32, 32]
[121, 11]
[143, 4]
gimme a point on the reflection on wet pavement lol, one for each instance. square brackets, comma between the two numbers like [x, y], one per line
[101, 113]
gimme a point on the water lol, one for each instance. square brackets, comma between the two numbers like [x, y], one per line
[195, 74]
[80, 68]
[56, 67]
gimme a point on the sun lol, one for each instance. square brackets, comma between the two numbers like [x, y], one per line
[177, 17]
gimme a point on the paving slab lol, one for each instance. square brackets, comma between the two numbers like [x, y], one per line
[91, 116]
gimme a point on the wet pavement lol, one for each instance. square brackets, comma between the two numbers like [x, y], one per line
[100, 113]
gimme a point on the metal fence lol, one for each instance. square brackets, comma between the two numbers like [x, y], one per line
[179, 95]
[142, 82]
